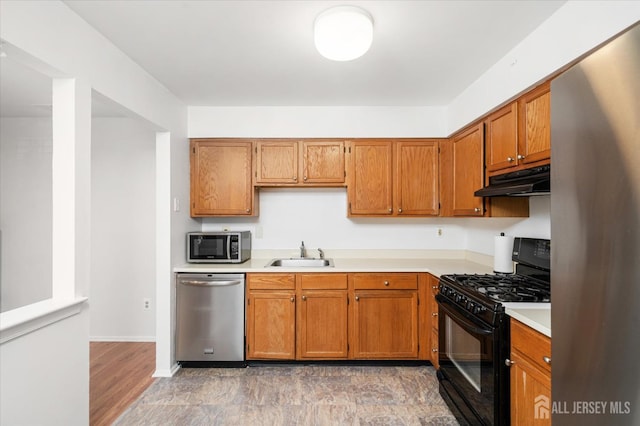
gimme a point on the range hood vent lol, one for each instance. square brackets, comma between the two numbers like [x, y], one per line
[534, 181]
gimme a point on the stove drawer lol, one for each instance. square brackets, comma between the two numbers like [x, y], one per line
[392, 281]
[531, 344]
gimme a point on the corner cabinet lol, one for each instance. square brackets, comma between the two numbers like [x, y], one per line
[309, 162]
[530, 362]
[393, 177]
[462, 164]
[221, 183]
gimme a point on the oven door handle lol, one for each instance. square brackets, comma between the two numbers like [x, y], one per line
[466, 322]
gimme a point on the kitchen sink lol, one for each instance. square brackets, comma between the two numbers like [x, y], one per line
[296, 262]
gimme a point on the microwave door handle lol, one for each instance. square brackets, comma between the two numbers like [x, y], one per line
[211, 283]
[466, 322]
[228, 247]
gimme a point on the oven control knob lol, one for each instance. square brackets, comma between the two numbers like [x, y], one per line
[477, 310]
[470, 306]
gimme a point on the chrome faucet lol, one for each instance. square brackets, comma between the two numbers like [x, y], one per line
[303, 251]
[321, 253]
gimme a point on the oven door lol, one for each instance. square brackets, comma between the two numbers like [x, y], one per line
[471, 373]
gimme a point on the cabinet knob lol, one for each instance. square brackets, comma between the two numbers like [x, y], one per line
[386, 283]
[520, 157]
[390, 210]
[293, 299]
[357, 298]
[434, 350]
[435, 287]
[546, 359]
[248, 210]
[294, 178]
[400, 210]
[304, 177]
[510, 159]
[434, 314]
[508, 362]
[304, 298]
[477, 210]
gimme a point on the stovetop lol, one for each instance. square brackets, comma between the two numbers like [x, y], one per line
[505, 288]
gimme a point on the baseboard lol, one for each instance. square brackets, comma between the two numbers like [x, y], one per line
[122, 338]
[167, 373]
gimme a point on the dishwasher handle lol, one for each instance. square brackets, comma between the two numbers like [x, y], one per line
[210, 283]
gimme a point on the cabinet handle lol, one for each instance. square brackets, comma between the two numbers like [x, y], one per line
[357, 298]
[293, 299]
[386, 283]
[434, 314]
[546, 359]
[520, 157]
[510, 159]
[477, 210]
[508, 362]
[304, 298]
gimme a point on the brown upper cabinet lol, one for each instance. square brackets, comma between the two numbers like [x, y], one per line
[462, 160]
[518, 135]
[534, 134]
[221, 178]
[393, 177]
[311, 162]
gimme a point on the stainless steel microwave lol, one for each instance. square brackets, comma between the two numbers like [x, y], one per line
[218, 247]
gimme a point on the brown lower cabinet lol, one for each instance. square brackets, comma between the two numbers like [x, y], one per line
[530, 376]
[332, 316]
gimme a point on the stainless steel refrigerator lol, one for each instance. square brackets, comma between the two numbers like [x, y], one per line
[595, 234]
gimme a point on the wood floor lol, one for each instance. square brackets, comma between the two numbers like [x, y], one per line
[119, 373]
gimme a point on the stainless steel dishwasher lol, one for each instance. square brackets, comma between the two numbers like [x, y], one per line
[210, 317]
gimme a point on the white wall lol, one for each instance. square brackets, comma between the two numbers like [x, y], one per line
[316, 122]
[43, 380]
[25, 211]
[575, 29]
[122, 230]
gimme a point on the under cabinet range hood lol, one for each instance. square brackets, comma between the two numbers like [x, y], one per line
[534, 181]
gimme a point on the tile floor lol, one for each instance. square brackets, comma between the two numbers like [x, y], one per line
[293, 395]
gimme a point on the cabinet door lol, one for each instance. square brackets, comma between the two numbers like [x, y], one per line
[323, 162]
[370, 181]
[322, 324]
[535, 125]
[416, 178]
[385, 324]
[530, 393]
[277, 162]
[221, 178]
[502, 138]
[467, 161]
[271, 325]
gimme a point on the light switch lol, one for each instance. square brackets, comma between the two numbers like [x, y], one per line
[176, 204]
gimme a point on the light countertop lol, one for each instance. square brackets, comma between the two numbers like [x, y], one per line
[535, 315]
[436, 267]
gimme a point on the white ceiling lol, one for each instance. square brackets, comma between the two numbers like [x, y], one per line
[261, 53]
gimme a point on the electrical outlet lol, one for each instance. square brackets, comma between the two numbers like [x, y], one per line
[439, 232]
[147, 304]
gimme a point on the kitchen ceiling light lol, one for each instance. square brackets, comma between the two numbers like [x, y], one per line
[343, 33]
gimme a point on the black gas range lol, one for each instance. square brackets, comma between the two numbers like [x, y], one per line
[474, 332]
